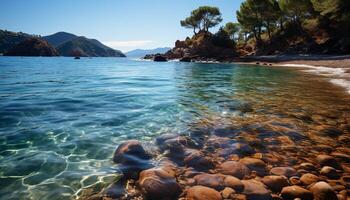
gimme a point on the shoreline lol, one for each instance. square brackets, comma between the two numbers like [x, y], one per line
[336, 68]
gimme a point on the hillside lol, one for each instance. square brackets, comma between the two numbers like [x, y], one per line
[82, 46]
[9, 39]
[59, 38]
[138, 53]
[32, 47]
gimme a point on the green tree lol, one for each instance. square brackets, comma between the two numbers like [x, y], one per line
[232, 29]
[250, 17]
[296, 10]
[191, 22]
[208, 16]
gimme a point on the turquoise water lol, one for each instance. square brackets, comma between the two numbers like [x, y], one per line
[61, 119]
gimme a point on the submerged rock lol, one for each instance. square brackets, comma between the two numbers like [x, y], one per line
[275, 183]
[198, 160]
[329, 172]
[256, 190]
[308, 179]
[210, 180]
[323, 191]
[234, 168]
[234, 183]
[326, 160]
[294, 192]
[132, 156]
[255, 165]
[202, 193]
[284, 171]
[159, 183]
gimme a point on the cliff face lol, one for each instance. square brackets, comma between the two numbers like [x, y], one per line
[32, 47]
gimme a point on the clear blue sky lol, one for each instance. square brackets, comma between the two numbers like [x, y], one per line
[122, 24]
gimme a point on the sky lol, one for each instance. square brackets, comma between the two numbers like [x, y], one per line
[120, 24]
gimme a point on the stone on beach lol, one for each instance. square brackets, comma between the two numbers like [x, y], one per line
[294, 192]
[234, 168]
[202, 193]
[159, 183]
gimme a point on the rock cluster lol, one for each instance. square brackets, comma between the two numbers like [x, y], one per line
[191, 168]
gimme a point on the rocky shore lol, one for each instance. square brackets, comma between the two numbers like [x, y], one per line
[229, 163]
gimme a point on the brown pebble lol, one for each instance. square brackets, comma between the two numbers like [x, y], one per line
[284, 171]
[293, 192]
[202, 193]
[323, 191]
[308, 179]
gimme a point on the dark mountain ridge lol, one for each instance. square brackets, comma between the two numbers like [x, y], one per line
[66, 44]
[59, 38]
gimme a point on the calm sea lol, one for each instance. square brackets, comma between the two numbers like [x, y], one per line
[61, 119]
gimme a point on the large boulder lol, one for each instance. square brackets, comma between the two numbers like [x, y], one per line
[323, 191]
[294, 192]
[159, 183]
[202, 193]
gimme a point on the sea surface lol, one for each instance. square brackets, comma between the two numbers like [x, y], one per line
[61, 119]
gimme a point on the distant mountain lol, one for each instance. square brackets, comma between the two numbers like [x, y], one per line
[138, 53]
[32, 47]
[9, 39]
[59, 38]
[66, 44]
[82, 46]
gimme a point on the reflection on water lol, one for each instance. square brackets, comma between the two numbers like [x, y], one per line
[61, 119]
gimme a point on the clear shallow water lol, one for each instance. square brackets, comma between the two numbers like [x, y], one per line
[61, 119]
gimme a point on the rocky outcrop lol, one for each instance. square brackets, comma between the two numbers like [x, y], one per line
[203, 46]
[32, 47]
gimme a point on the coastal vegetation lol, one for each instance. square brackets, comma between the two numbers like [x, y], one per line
[266, 27]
